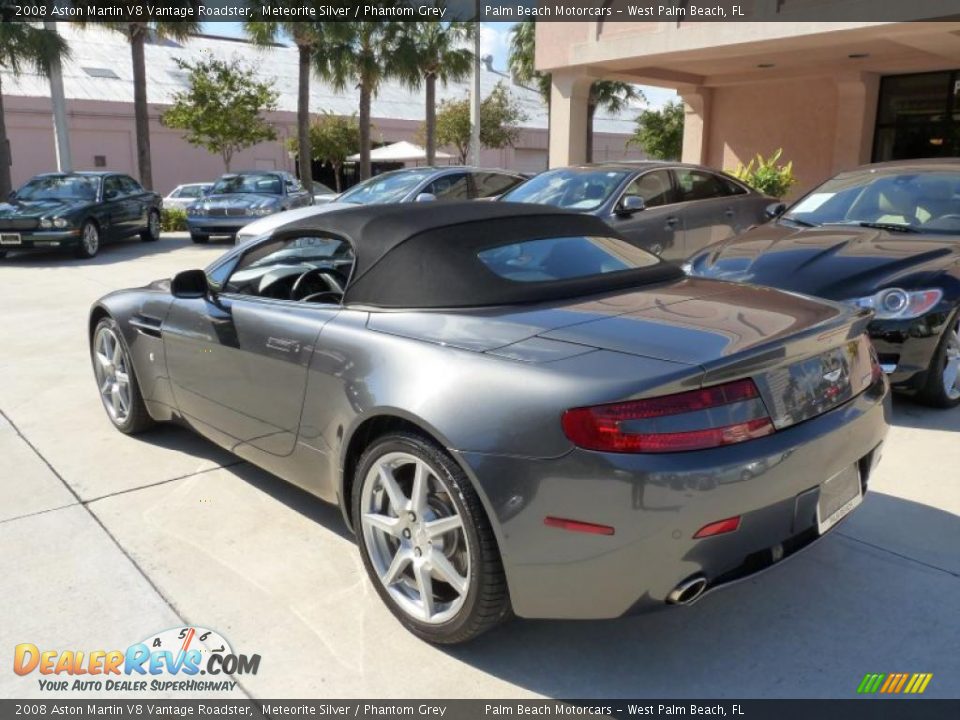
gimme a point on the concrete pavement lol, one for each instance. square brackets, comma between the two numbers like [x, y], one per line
[106, 539]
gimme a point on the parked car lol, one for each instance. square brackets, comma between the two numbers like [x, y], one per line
[322, 194]
[884, 237]
[423, 184]
[183, 195]
[239, 198]
[672, 210]
[514, 408]
[79, 211]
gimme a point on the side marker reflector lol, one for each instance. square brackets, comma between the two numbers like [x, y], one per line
[578, 526]
[718, 528]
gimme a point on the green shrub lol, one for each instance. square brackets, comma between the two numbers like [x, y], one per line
[173, 219]
[766, 175]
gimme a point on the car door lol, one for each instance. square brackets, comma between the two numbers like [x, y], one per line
[238, 358]
[116, 207]
[658, 228]
[452, 186]
[708, 210]
[140, 202]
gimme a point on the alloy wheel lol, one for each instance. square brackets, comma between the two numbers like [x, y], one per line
[113, 375]
[153, 225]
[91, 238]
[951, 367]
[415, 537]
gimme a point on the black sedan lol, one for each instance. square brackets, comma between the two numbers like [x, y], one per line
[672, 210]
[885, 237]
[79, 211]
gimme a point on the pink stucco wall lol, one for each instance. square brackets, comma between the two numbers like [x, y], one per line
[106, 128]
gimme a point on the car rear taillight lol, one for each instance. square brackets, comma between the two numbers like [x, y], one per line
[697, 420]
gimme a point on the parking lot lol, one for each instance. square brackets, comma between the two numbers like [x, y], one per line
[108, 539]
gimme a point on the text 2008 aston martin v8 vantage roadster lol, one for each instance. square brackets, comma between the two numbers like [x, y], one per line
[516, 409]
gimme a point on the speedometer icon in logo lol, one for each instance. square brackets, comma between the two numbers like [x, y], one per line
[183, 640]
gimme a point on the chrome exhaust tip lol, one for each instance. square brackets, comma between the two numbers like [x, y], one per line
[688, 591]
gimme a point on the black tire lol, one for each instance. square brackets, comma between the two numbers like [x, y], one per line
[199, 238]
[152, 231]
[88, 246]
[935, 393]
[486, 602]
[137, 418]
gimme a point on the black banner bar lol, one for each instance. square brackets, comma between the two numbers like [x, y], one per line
[856, 709]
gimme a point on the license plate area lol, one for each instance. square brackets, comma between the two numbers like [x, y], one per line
[9, 238]
[838, 497]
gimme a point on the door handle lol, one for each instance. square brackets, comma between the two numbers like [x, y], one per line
[729, 212]
[671, 221]
[283, 345]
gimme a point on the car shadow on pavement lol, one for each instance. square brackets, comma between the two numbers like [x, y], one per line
[908, 413]
[111, 252]
[809, 628]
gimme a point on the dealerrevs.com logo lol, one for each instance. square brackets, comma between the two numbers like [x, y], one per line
[179, 659]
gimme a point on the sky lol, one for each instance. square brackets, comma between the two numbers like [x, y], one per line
[494, 40]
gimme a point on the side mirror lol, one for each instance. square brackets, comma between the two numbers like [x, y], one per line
[12, 195]
[631, 204]
[775, 210]
[189, 284]
[425, 197]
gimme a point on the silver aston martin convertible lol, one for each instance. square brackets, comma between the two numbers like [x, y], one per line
[517, 411]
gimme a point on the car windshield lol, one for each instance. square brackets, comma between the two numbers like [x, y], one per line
[262, 184]
[386, 188]
[905, 201]
[564, 258]
[60, 187]
[568, 188]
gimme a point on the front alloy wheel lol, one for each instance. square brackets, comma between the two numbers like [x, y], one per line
[425, 541]
[117, 383]
[943, 378]
[152, 232]
[89, 240]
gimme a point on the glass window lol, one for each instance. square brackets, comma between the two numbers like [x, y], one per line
[112, 186]
[310, 268]
[493, 184]
[190, 191]
[653, 187]
[920, 201]
[130, 186]
[265, 184]
[699, 185]
[450, 187]
[60, 187]
[917, 117]
[569, 188]
[565, 258]
[386, 188]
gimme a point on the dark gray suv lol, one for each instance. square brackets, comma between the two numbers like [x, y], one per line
[670, 209]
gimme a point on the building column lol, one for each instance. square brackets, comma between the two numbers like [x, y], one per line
[569, 96]
[857, 96]
[697, 103]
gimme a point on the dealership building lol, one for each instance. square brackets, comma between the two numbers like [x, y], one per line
[98, 83]
[833, 95]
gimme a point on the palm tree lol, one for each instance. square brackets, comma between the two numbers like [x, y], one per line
[22, 45]
[307, 36]
[137, 34]
[613, 96]
[428, 52]
[360, 53]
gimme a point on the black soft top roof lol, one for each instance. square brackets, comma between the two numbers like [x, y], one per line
[424, 255]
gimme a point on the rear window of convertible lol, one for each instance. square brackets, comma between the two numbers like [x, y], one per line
[564, 258]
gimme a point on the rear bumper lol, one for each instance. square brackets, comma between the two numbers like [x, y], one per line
[656, 503]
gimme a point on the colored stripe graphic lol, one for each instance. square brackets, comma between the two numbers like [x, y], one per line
[894, 683]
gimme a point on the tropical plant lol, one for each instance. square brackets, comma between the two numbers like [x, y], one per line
[173, 219]
[333, 139]
[361, 54]
[23, 46]
[137, 34]
[614, 97]
[500, 116]
[222, 108]
[428, 52]
[768, 175]
[307, 36]
[659, 133]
